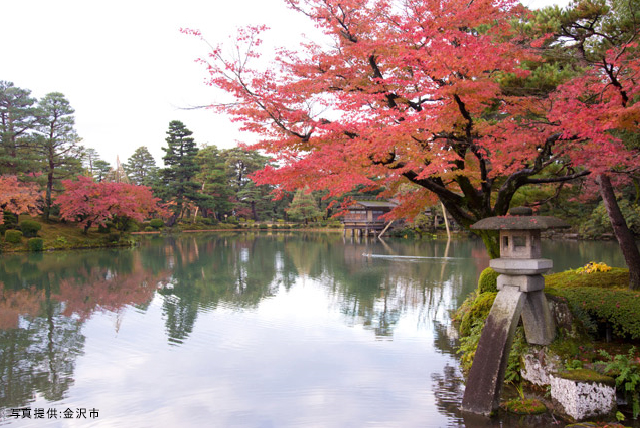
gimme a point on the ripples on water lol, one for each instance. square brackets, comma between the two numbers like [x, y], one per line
[240, 331]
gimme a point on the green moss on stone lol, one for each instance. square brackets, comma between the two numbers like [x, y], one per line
[528, 406]
[478, 310]
[586, 375]
[488, 281]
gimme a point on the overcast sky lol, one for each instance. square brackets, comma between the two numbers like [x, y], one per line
[125, 67]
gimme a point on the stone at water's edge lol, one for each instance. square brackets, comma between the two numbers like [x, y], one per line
[538, 367]
[482, 393]
[582, 399]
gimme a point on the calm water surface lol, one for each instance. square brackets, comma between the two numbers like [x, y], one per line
[243, 330]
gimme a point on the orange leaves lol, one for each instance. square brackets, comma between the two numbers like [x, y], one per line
[18, 197]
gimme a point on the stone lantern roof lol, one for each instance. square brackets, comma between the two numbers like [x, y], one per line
[520, 218]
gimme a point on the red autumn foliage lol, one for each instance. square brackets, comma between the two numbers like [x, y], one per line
[89, 203]
[409, 92]
[18, 197]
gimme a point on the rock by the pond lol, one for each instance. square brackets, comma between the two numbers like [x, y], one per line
[538, 367]
[583, 398]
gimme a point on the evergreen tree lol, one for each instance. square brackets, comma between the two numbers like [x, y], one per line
[57, 143]
[251, 200]
[177, 178]
[141, 167]
[216, 193]
[303, 206]
[94, 166]
[17, 121]
[101, 170]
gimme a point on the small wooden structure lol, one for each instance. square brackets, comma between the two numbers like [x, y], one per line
[365, 217]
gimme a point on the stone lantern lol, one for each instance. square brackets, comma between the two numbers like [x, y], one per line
[520, 295]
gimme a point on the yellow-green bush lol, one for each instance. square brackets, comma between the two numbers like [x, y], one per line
[13, 236]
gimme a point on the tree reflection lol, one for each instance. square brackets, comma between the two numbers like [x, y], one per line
[38, 354]
[45, 300]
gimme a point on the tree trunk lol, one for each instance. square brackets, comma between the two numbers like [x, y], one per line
[623, 234]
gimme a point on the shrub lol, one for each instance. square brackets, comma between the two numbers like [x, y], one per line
[603, 297]
[263, 226]
[35, 244]
[487, 283]
[106, 228]
[13, 236]
[617, 308]
[113, 237]
[30, 228]
[149, 229]
[156, 223]
[10, 219]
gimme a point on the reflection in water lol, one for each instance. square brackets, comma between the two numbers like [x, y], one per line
[245, 329]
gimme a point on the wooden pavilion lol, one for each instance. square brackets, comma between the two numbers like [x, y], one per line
[365, 217]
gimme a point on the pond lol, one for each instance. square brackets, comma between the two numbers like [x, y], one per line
[242, 330]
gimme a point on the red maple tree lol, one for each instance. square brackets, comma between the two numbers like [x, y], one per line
[89, 203]
[18, 197]
[410, 93]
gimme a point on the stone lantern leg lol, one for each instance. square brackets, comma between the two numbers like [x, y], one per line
[520, 295]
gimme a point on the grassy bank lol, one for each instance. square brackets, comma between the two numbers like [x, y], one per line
[63, 236]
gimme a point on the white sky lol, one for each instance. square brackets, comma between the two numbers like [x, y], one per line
[125, 67]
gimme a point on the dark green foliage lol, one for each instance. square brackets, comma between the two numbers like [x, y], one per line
[156, 223]
[141, 167]
[13, 236]
[56, 144]
[626, 370]
[18, 117]
[106, 228]
[10, 220]
[149, 229]
[177, 179]
[35, 244]
[303, 207]
[263, 226]
[599, 223]
[620, 309]
[601, 299]
[30, 228]
[487, 283]
[113, 237]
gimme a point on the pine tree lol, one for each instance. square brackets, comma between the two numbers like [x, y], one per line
[141, 167]
[303, 206]
[177, 178]
[57, 145]
[17, 121]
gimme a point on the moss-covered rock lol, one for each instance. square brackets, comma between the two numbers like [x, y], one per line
[524, 406]
[477, 310]
[587, 375]
[488, 281]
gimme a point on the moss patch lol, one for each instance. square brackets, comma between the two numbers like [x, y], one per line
[601, 300]
[586, 375]
[527, 406]
[477, 310]
[615, 278]
[488, 281]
